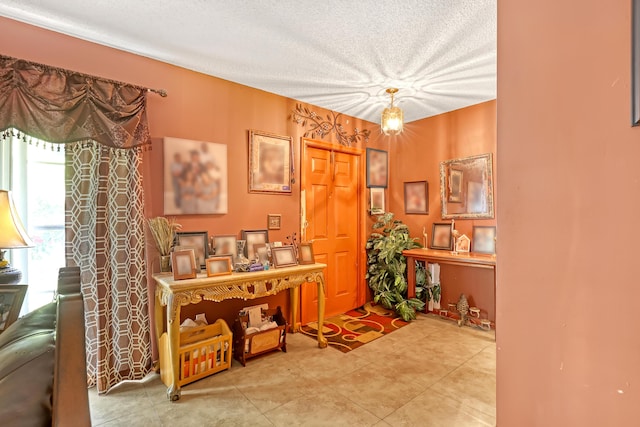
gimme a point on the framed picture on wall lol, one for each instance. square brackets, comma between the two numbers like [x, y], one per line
[416, 197]
[441, 237]
[483, 239]
[195, 177]
[270, 163]
[377, 168]
[376, 196]
[274, 221]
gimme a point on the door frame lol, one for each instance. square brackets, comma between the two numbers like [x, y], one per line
[361, 207]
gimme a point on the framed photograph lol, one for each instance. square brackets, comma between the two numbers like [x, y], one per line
[11, 298]
[377, 168]
[226, 245]
[219, 266]
[254, 237]
[441, 237]
[284, 256]
[416, 197]
[274, 221]
[484, 239]
[305, 252]
[199, 240]
[376, 196]
[184, 264]
[270, 163]
[463, 243]
[195, 177]
[455, 185]
[261, 251]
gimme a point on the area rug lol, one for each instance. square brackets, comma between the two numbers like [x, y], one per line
[356, 327]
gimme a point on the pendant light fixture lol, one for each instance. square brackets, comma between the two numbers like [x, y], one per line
[392, 117]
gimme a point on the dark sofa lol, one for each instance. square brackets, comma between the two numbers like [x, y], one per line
[43, 379]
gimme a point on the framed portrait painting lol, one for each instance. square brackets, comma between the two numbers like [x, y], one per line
[270, 163]
[377, 168]
[195, 177]
[416, 197]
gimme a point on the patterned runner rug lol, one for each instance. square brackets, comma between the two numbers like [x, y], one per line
[356, 327]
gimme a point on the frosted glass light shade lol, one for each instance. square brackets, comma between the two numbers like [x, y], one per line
[392, 121]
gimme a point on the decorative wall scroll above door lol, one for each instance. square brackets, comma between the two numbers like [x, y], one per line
[320, 127]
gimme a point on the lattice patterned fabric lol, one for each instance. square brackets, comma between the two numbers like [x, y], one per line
[105, 237]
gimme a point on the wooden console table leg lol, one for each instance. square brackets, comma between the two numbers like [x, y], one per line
[295, 303]
[173, 332]
[411, 277]
[159, 314]
[322, 341]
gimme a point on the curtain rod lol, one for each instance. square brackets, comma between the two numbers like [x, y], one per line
[161, 92]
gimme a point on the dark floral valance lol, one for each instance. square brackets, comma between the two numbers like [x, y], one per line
[62, 106]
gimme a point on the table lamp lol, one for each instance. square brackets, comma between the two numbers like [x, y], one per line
[12, 236]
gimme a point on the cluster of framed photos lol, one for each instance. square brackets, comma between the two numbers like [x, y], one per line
[483, 239]
[195, 251]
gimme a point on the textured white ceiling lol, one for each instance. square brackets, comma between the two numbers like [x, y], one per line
[336, 54]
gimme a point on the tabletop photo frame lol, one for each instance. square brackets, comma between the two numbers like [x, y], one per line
[305, 254]
[254, 237]
[284, 256]
[184, 264]
[199, 240]
[219, 266]
[483, 240]
[226, 244]
[441, 236]
[11, 299]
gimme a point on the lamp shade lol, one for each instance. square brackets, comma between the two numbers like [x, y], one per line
[12, 233]
[392, 120]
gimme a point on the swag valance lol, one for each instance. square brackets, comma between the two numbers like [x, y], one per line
[62, 106]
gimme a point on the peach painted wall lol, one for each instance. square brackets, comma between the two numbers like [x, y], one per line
[568, 289]
[198, 107]
[416, 156]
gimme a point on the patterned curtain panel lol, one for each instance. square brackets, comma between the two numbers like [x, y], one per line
[105, 237]
[62, 106]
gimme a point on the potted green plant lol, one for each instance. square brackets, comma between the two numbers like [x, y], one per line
[386, 266]
[426, 290]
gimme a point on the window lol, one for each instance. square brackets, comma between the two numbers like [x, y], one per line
[35, 173]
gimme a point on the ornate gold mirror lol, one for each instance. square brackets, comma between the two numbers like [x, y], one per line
[466, 187]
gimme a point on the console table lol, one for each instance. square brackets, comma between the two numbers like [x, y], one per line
[481, 264]
[172, 294]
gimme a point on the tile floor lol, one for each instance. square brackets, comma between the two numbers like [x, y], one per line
[429, 373]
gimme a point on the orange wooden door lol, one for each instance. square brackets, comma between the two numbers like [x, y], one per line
[331, 183]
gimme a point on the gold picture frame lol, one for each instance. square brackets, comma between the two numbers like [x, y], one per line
[184, 264]
[274, 221]
[305, 254]
[219, 266]
[270, 163]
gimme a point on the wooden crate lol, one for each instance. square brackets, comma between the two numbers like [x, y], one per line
[247, 346]
[203, 351]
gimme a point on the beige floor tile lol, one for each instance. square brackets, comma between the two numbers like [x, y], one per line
[429, 372]
[431, 409]
[325, 409]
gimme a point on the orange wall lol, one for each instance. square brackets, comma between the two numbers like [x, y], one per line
[569, 333]
[418, 151]
[198, 107]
